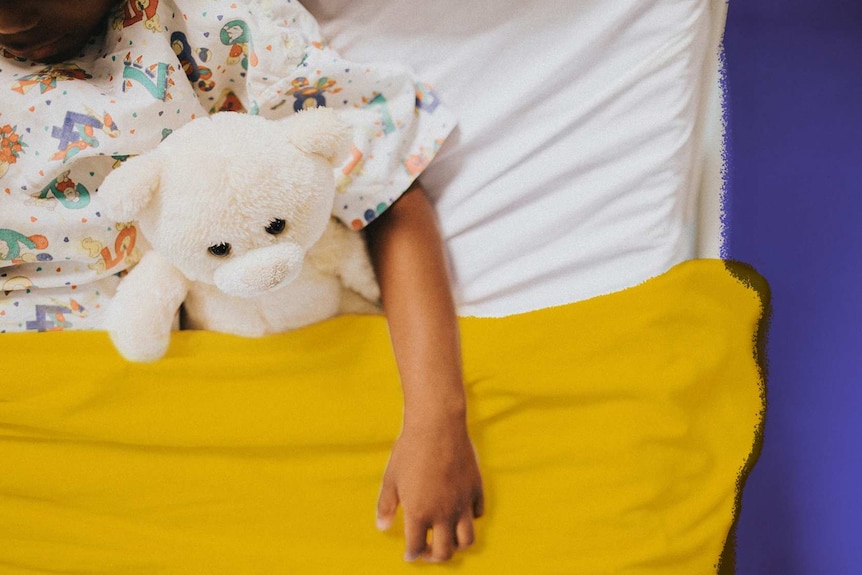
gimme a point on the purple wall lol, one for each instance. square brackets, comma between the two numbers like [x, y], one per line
[794, 203]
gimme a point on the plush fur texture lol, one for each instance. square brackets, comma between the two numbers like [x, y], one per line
[237, 211]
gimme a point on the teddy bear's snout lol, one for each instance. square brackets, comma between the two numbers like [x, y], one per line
[261, 270]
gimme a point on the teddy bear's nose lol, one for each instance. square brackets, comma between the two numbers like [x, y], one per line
[269, 277]
[260, 270]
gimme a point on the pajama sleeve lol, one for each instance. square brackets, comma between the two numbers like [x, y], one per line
[398, 122]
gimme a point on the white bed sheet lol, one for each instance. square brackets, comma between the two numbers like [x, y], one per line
[588, 154]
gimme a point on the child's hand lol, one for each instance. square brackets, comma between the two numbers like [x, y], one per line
[433, 474]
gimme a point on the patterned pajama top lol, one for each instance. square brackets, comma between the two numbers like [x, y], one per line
[158, 65]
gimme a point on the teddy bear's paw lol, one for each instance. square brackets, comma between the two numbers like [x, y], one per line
[358, 275]
[139, 348]
[354, 303]
[138, 338]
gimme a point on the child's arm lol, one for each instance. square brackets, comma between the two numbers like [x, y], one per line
[432, 471]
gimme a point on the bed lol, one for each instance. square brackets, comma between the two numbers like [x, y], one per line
[612, 360]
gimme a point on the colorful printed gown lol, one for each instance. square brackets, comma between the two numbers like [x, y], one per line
[63, 127]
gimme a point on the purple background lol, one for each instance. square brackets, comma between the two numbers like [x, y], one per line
[794, 211]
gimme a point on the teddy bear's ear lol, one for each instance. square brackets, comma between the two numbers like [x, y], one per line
[321, 131]
[129, 188]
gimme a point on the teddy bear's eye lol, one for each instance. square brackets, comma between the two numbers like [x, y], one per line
[219, 250]
[275, 227]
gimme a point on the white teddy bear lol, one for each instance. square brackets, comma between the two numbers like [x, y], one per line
[237, 211]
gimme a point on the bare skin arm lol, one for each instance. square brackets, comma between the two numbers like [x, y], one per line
[432, 471]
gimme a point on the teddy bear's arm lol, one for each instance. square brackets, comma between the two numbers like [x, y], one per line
[144, 307]
[343, 253]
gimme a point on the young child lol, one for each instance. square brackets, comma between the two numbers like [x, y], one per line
[86, 84]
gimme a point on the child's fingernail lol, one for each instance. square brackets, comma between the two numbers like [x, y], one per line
[383, 523]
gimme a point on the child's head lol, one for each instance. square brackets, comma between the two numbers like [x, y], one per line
[49, 30]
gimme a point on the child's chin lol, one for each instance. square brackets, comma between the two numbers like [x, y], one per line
[52, 51]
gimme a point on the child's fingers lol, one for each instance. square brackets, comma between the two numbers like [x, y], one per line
[387, 504]
[442, 542]
[479, 504]
[416, 539]
[464, 532]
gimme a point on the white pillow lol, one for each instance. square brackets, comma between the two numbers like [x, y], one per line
[577, 164]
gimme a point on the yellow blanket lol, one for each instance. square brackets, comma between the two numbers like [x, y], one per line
[612, 433]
